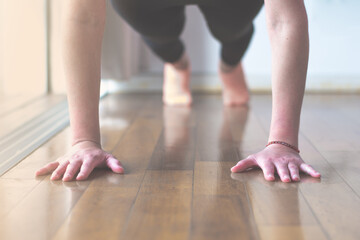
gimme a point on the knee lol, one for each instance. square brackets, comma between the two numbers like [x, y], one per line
[237, 24]
[235, 35]
[123, 6]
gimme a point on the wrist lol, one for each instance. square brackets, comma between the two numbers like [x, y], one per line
[286, 131]
[288, 136]
[79, 136]
[86, 142]
[295, 148]
[82, 130]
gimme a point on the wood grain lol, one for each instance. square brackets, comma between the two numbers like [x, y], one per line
[220, 205]
[328, 196]
[178, 183]
[14, 119]
[114, 194]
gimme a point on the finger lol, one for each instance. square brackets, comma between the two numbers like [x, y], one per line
[309, 170]
[268, 170]
[243, 165]
[294, 172]
[86, 168]
[114, 164]
[50, 167]
[283, 172]
[59, 171]
[71, 170]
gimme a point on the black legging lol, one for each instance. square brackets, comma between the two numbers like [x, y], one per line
[160, 23]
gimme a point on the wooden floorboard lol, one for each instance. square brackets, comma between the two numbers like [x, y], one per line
[279, 209]
[13, 118]
[9, 104]
[347, 165]
[178, 183]
[221, 209]
[163, 206]
[134, 150]
[215, 195]
[326, 197]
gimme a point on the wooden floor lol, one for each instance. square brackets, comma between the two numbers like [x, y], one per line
[17, 110]
[178, 183]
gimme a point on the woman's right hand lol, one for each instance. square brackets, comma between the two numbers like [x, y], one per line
[83, 158]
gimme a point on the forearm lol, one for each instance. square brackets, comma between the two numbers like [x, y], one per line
[290, 50]
[82, 30]
[288, 31]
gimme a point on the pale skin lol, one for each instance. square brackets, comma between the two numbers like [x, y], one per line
[83, 26]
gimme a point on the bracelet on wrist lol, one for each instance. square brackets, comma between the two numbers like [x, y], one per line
[85, 140]
[284, 144]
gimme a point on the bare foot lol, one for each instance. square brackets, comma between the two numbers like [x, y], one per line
[235, 91]
[176, 89]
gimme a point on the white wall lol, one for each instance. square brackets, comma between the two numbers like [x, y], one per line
[22, 47]
[334, 64]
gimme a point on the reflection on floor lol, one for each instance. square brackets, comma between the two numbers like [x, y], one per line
[16, 111]
[178, 183]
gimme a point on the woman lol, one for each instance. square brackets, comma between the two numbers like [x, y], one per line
[160, 22]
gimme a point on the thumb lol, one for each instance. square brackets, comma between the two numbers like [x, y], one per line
[243, 165]
[114, 164]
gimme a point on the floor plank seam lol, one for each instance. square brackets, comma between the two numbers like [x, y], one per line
[330, 165]
[132, 207]
[195, 153]
[156, 148]
[22, 105]
[61, 223]
[155, 198]
[92, 182]
[123, 230]
[253, 220]
[314, 214]
[192, 205]
[23, 198]
[251, 209]
[128, 127]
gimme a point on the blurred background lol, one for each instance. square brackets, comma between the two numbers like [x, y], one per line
[30, 51]
[334, 27]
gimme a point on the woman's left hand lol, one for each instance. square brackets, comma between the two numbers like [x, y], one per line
[285, 161]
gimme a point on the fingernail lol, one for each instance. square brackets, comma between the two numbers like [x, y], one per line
[270, 177]
[286, 179]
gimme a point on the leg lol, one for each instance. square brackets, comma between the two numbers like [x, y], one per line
[160, 24]
[231, 24]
